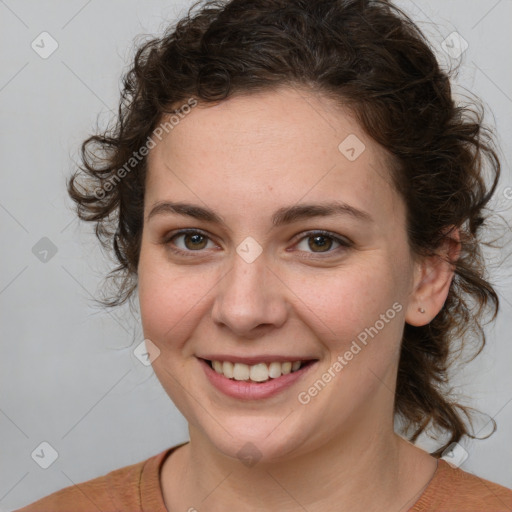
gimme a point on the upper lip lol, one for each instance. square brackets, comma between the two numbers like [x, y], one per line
[264, 358]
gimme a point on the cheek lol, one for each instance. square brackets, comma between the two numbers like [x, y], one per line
[358, 315]
[345, 302]
[171, 302]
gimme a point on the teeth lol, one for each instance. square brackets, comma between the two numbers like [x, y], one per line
[227, 369]
[286, 368]
[241, 371]
[260, 372]
[274, 370]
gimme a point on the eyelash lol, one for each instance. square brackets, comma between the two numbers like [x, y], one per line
[344, 243]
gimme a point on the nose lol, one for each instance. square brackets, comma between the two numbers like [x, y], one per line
[251, 299]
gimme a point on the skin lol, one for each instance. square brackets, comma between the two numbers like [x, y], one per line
[245, 158]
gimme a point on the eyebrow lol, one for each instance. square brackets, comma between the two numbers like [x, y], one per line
[285, 215]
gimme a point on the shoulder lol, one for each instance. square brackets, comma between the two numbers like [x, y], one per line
[118, 490]
[452, 489]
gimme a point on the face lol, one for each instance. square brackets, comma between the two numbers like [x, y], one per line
[295, 250]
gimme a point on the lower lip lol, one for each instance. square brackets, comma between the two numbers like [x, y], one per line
[245, 390]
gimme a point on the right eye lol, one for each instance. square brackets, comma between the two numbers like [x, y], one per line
[192, 240]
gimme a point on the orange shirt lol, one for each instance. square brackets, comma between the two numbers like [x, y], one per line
[137, 488]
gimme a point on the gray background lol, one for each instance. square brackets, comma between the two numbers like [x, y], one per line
[68, 374]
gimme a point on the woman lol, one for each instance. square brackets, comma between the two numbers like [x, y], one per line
[298, 202]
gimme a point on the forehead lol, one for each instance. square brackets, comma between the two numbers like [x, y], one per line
[268, 149]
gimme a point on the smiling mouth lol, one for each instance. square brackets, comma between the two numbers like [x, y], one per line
[257, 373]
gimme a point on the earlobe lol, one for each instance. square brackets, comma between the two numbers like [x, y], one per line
[433, 277]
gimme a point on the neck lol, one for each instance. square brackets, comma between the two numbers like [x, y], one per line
[357, 471]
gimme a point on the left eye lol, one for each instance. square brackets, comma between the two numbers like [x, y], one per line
[321, 242]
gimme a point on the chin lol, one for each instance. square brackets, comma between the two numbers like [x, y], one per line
[258, 440]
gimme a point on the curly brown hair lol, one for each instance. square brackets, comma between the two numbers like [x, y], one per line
[367, 56]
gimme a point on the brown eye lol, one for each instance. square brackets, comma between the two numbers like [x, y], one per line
[194, 241]
[185, 242]
[319, 243]
[322, 242]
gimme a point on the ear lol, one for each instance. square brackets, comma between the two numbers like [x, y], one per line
[432, 279]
